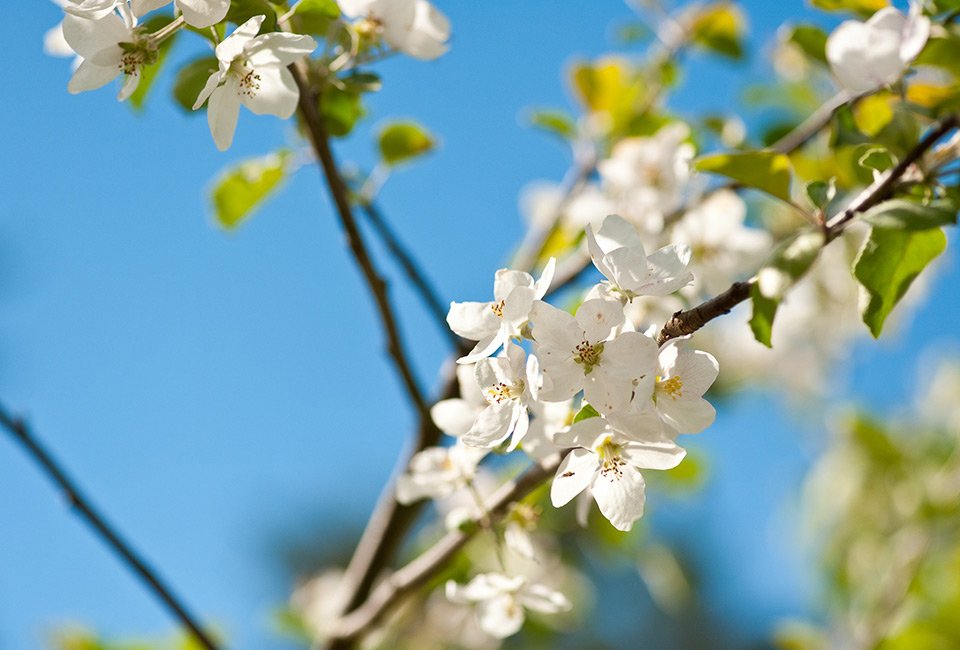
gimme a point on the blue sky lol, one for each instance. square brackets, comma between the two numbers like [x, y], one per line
[211, 390]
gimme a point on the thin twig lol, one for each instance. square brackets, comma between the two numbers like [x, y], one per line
[316, 129]
[687, 322]
[391, 591]
[82, 505]
[417, 277]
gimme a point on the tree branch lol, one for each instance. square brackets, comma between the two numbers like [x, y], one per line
[319, 139]
[687, 322]
[418, 279]
[395, 587]
[82, 505]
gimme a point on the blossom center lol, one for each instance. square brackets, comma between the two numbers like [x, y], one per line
[497, 308]
[131, 62]
[248, 81]
[611, 462]
[588, 355]
[673, 386]
[502, 391]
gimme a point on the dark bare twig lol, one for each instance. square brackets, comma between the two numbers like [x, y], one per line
[82, 505]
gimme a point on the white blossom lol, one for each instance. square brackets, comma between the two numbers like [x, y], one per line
[109, 47]
[438, 472]
[683, 376]
[456, 415]
[866, 56]
[618, 254]
[609, 464]
[414, 27]
[509, 383]
[494, 323]
[583, 353]
[253, 72]
[501, 599]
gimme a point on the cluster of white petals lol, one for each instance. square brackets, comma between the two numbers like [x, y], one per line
[414, 27]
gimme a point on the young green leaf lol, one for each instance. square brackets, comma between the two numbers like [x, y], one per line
[888, 263]
[820, 193]
[767, 171]
[555, 122]
[788, 263]
[900, 214]
[314, 16]
[148, 73]
[811, 40]
[241, 190]
[586, 412]
[341, 109]
[191, 79]
[719, 28]
[764, 310]
[403, 141]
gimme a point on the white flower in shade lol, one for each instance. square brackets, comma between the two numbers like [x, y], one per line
[494, 323]
[320, 600]
[519, 523]
[54, 44]
[109, 47]
[197, 13]
[618, 254]
[509, 384]
[438, 472]
[500, 601]
[720, 244]
[609, 465]
[92, 9]
[582, 353]
[645, 176]
[866, 56]
[456, 415]
[548, 419]
[414, 27]
[683, 376]
[253, 72]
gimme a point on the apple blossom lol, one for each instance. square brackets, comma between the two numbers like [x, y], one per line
[866, 56]
[456, 415]
[582, 353]
[683, 376]
[438, 472]
[494, 323]
[501, 599]
[548, 419]
[509, 383]
[609, 465]
[109, 46]
[197, 13]
[253, 72]
[414, 27]
[618, 254]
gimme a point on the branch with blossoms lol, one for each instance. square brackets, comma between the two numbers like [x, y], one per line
[596, 394]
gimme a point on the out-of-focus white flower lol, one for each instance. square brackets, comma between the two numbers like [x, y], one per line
[456, 415]
[500, 601]
[414, 27]
[320, 600]
[438, 472]
[866, 56]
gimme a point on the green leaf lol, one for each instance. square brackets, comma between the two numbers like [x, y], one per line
[586, 412]
[243, 10]
[764, 310]
[906, 215]
[191, 79]
[555, 122]
[876, 159]
[719, 27]
[820, 193]
[240, 190]
[767, 171]
[362, 82]
[314, 16]
[788, 263]
[341, 109]
[888, 263]
[863, 7]
[403, 141]
[811, 40]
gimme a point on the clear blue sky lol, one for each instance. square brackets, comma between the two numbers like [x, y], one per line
[212, 390]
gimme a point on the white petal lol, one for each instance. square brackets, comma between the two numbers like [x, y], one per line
[668, 270]
[203, 13]
[620, 497]
[129, 86]
[573, 476]
[517, 304]
[598, 318]
[223, 111]
[627, 269]
[89, 38]
[277, 94]
[208, 88]
[484, 348]
[542, 285]
[665, 454]
[686, 415]
[453, 416]
[491, 427]
[279, 48]
[554, 329]
[540, 598]
[54, 44]
[520, 427]
[697, 370]
[354, 8]
[472, 320]
[427, 37]
[583, 433]
[562, 377]
[142, 7]
[90, 76]
[501, 616]
[232, 46]
[506, 280]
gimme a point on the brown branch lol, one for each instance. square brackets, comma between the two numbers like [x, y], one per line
[320, 140]
[417, 277]
[391, 591]
[687, 322]
[82, 505]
